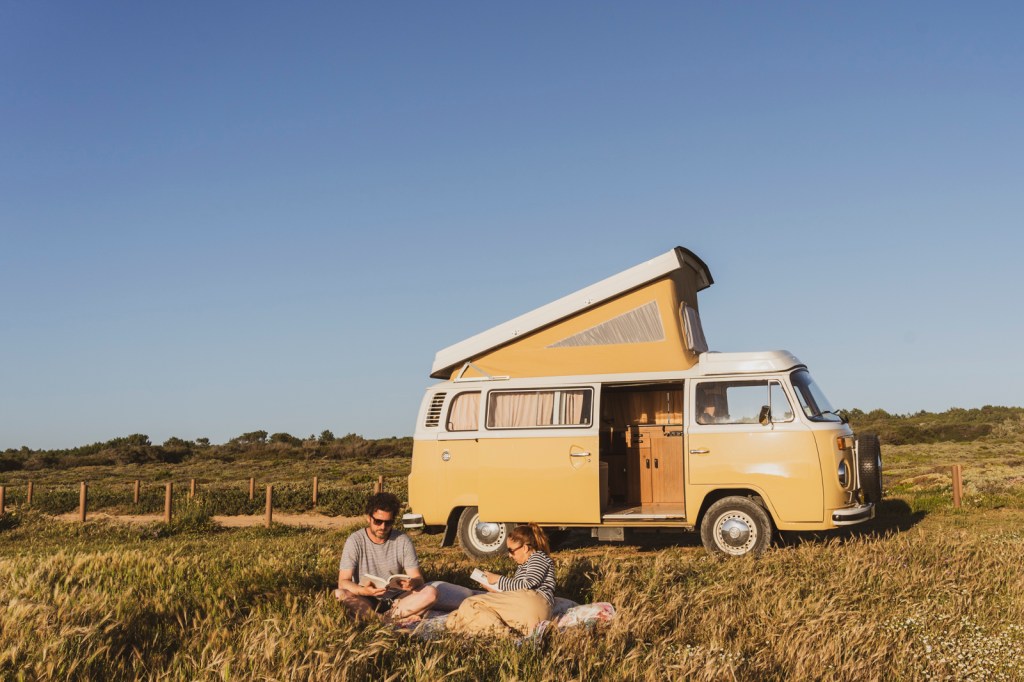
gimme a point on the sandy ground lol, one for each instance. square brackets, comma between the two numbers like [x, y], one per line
[309, 520]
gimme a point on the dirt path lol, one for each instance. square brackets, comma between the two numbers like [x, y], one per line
[307, 520]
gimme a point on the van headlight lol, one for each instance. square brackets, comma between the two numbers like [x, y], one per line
[844, 474]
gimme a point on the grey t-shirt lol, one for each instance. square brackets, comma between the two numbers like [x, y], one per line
[361, 555]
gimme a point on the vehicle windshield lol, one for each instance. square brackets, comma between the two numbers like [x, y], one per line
[815, 405]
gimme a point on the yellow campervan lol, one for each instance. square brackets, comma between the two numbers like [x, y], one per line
[604, 409]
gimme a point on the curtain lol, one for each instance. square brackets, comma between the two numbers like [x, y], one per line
[464, 414]
[511, 410]
[572, 407]
[527, 409]
[545, 408]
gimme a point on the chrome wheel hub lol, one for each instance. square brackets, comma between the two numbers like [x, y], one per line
[487, 533]
[736, 533]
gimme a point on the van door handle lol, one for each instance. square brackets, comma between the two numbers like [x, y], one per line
[699, 452]
[579, 454]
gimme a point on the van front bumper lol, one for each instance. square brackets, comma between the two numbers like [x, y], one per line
[412, 521]
[851, 515]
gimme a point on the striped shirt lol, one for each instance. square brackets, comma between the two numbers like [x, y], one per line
[537, 573]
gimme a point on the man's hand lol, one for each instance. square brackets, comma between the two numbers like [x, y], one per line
[368, 590]
[405, 584]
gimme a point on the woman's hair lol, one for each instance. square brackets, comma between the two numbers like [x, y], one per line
[531, 535]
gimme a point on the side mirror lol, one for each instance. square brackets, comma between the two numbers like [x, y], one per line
[765, 416]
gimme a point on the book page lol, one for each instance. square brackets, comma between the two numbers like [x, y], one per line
[374, 580]
[481, 578]
[393, 581]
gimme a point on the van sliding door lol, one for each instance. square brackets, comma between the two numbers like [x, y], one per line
[539, 456]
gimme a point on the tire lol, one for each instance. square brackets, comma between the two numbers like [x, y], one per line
[869, 466]
[736, 526]
[481, 540]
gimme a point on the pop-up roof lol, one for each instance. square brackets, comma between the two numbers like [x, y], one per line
[643, 319]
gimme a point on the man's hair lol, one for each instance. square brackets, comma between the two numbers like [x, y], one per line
[384, 502]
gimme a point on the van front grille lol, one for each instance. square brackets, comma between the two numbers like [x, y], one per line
[434, 413]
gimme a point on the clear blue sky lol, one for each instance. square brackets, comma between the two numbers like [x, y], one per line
[223, 217]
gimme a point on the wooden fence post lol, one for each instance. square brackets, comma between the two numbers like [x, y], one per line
[28, 495]
[958, 485]
[270, 504]
[167, 503]
[252, 488]
[3, 490]
[135, 494]
[191, 488]
[379, 485]
[316, 490]
[83, 499]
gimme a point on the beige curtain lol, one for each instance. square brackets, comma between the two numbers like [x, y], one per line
[464, 414]
[545, 408]
[512, 410]
[527, 409]
[572, 407]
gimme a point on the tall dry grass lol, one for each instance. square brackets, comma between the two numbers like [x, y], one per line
[925, 592]
[940, 600]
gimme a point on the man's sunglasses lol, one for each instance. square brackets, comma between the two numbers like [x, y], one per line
[382, 522]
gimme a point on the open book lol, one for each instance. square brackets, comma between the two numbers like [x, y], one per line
[391, 583]
[479, 576]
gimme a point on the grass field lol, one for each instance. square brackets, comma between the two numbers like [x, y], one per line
[923, 592]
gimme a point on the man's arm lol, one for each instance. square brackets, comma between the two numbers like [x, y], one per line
[416, 579]
[345, 582]
[410, 564]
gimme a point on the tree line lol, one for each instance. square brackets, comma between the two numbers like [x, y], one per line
[957, 425]
[139, 449]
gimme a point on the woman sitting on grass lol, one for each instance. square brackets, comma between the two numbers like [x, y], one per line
[517, 604]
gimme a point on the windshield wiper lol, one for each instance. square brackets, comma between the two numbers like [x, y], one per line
[838, 413]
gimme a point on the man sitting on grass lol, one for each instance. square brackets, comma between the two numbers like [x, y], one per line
[380, 550]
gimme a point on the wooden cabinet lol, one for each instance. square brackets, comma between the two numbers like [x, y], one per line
[655, 465]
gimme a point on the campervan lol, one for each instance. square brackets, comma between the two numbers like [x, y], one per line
[606, 410]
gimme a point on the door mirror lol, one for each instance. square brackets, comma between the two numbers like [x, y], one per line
[765, 415]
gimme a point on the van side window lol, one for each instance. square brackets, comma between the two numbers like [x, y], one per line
[740, 402]
[533, 409]
[464, 412]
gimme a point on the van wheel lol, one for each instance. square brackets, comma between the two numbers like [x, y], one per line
[481, 540]
[869, 463]
[736, 526]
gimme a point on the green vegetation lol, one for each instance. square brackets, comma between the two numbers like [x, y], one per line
[923, 592]
[955, 425]
[255, 445]
[347, 469]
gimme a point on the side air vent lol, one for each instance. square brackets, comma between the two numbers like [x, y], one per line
[434, 413]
